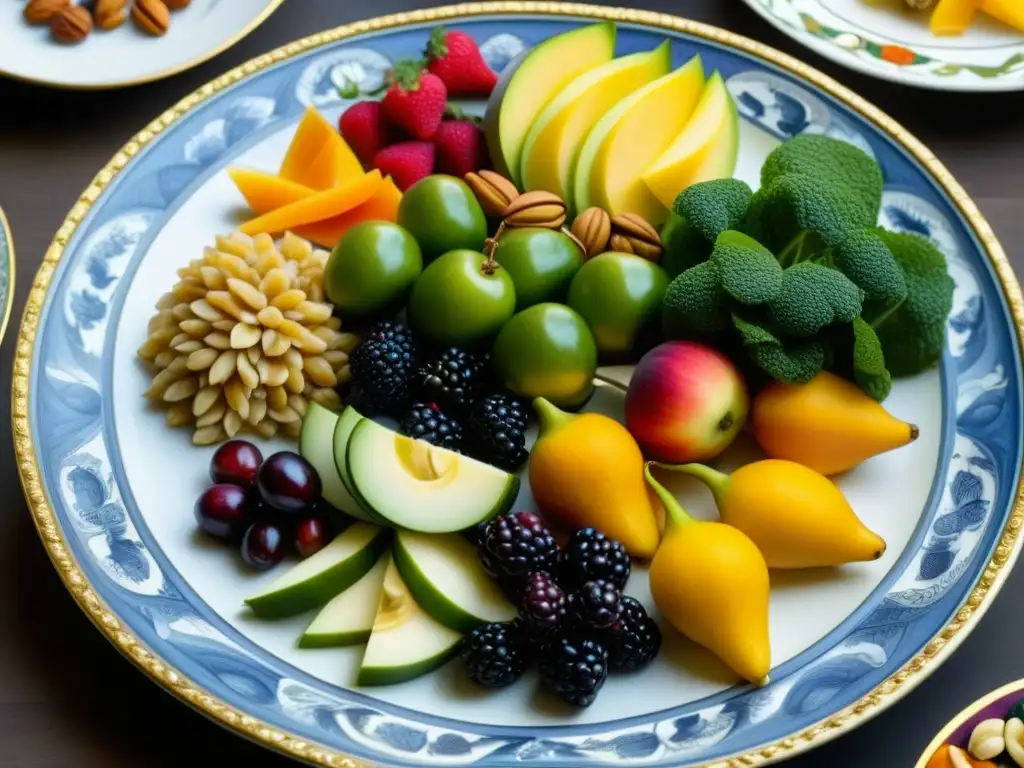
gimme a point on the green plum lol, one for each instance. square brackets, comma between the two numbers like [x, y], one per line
[541, 263]
[462, 299]
[372, 270]
[443, 215]
[620, 295]
[547, 351]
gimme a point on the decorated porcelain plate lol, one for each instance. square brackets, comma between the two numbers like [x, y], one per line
[885, 42]
[977, 730]
[126, 55]
[112, 487]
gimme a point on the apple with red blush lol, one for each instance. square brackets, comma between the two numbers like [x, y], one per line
[686, 402]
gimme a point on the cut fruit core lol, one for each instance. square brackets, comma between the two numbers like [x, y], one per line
[423, 462]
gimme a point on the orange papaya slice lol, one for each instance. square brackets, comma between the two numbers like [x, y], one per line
[264, 191]
[335, 164]
[313, 136]
[953, 17]
[320, 205]
[382, 206]
[1009, 12]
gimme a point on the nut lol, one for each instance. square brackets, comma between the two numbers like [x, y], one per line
[44, 11]
[492, 190]
[535, 209]
[593, 228]
[110, 14]
[1013, 736]
[72, 25]
[151, 16]
[177, 5]
[986, 739]
[632, 234]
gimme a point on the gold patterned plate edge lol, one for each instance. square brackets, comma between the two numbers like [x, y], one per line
[8, 295]
[245, 31]
[964, 715]
[873, 703]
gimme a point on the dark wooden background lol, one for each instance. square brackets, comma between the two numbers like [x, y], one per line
[67, 698]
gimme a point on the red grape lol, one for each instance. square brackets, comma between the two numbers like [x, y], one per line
[289, 483]
[311, 535]
[262, 546]
[237, 461]
[222, 511]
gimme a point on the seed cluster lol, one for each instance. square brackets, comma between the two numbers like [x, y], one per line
[245, 339]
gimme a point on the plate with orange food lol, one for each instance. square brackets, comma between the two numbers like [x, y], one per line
[987, 734]
[524, 383]
[952, 45]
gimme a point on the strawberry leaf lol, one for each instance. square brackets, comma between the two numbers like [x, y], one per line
[437, 47]
[406, 74]
[455, 112]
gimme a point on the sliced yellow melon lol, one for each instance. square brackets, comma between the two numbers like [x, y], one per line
[1007, 11]
[705, 150]
[953, 17]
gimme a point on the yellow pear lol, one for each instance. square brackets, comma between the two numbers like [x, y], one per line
[711, 583]
[827, 424]
[797, 517]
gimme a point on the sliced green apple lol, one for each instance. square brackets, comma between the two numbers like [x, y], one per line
[319, 578]
[630, 137]
[557, 135]
[444, 574]
[316, 445]
[405, 642]
[705, 150]
[348, 618]
[532, 80]
[421, 487]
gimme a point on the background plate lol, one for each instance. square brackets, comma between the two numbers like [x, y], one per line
[897, 46]
[125, 56]
[958, 730]
[76, 453]
[6, 273]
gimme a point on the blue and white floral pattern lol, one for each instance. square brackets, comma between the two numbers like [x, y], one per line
[78, 454]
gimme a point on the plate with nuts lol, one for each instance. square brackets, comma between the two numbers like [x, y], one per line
[976, 46]
[281, 271]
[989, 733]
[95, 44]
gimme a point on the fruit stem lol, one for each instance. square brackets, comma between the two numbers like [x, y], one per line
[716, 481]
[915, 432]
[675, 515]
[550, 416]
[491, 244]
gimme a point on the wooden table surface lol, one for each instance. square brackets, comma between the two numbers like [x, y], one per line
[67, 698]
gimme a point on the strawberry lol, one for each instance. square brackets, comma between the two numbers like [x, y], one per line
[406, 162]
[460, 147]
[455, 58]
[364, 128]
[415, 101]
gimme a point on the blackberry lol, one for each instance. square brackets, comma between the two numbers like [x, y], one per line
[382, 369]
[575, 668]
[634, 640]
[542, 607]
[425, 421]
[515, 545]
[591, 555]
[596, 605]
[497, 424]
[494, 654]
[453, 379]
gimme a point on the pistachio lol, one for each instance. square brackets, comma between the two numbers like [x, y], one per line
[986, 739]
[593, 229]
[492, 190]
[1013, 738]
[44, 11]
[110, 14]
[72, 25]
[632, 234]
[151, 16]
[535, 209]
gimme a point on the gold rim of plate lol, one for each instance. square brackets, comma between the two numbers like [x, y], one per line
[884, 695]
[202, 58]
[8, 236]
[964, 715]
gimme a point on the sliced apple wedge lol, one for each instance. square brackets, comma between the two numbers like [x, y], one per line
[319, 578]
[348, 618]
[421, 487]
[557, 135]
[405, 642]
[705, 150]
[316, 445]
[631, 136]
[445, 577]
